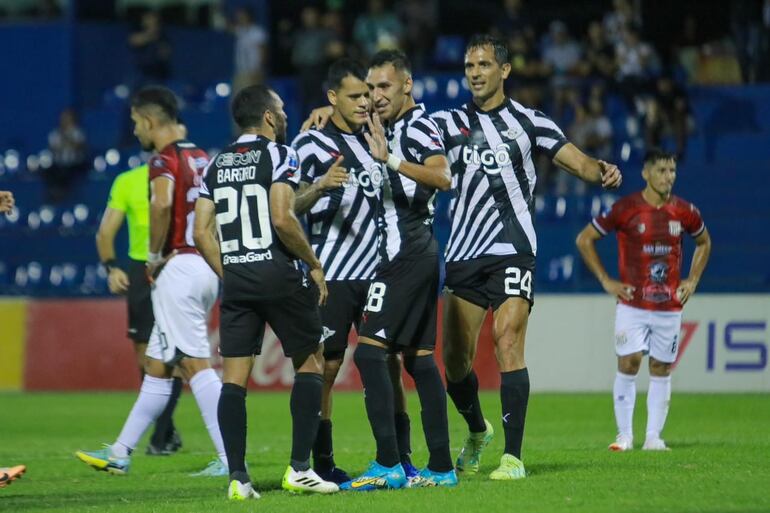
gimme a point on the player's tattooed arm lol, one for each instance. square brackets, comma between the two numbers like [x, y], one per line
[700, 258]
[575, 162]
[290, 231]
[318, 118]
[586, 243]
[204, 234]
[308, 195]
[112, 220]
[433, 173]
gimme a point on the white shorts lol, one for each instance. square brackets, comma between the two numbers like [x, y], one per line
[647, 331]
[182, 298]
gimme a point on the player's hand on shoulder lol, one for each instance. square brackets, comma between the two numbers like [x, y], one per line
[685, 289]
[336, 176]
[619, 289]
[317, 118]
[318, 277]
[611, 175]
[117, 280]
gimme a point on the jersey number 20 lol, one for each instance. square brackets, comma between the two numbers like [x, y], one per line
[230, 195]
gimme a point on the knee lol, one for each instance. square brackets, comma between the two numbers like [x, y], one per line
[629, 365]
[367, 352]
[659, 369]
[331, 369]
[415, 364]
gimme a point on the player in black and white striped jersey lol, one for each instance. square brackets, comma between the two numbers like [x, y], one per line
[491, 143]
[341, 192]
[401, 306]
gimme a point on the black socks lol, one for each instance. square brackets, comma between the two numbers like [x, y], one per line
[378, 396]
[323, 450]
[514, 396]
[465, 396]
[305, 405]
[164, 424]
[430, 388]
[231, 413]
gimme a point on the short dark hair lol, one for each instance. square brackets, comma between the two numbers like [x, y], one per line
[250, 104]
[342, 68]
[397, 58]
[655, 154]
[160, 97]
[502, 55]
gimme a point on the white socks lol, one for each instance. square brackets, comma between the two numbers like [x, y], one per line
[207, 387]
[624, 396]
[658, 398]
[153, 397]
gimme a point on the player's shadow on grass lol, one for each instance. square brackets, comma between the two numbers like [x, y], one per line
[538, 469]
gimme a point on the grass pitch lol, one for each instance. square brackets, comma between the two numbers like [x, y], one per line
[720, 460]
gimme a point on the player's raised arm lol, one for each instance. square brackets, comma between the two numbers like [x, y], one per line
[112, 220]
[317, 118]
[204, 234]
[434, 172]
[574, 161]
[700, 258]
[586, 243]
[290, 231]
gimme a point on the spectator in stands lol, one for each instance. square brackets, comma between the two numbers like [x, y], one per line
[152, 50]
[250, 50]
[636, 64]
[687, 48]
[420, 19]
[512, 19]
[598, 63]
[615, 21]
[528, 74]
[561, 57]
[668, 113]
[314, 45]
[377, 29]
[68, 146]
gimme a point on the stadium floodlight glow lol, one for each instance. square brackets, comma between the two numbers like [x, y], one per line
[46, 215]
[134, 161]
[13, 215]
[21, 277]
[46, 159]
[561, 206]
[418, 89]
[430, 85]
[223, 89]
[452, 88]
[112, 157]
[81, 212]
[68, 219]
[122, 91]
[100, 165]
[33, 220]
[11, 160]
[625, 152]
[55, 276]
[33, 163]
[35, 271]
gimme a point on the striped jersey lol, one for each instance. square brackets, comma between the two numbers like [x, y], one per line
[407, 207]
[343, 222]
[491, 154]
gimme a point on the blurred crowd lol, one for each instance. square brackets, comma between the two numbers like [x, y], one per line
[566, 67]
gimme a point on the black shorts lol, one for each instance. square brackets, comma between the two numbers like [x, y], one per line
[295, 319]
[402, 304]
[140, 316]
[343, 309]
[490, 280]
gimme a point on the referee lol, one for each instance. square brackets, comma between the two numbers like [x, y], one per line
[130, 199]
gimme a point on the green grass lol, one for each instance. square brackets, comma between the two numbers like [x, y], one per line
[720, 460]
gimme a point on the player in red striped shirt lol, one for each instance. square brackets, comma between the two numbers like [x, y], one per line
[649, 226]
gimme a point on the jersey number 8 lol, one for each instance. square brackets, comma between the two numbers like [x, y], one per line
[516, 282]
[375, 296]
[230, 194]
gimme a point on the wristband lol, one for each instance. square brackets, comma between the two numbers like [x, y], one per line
[110, 265]
[154, 257]
[393, 162]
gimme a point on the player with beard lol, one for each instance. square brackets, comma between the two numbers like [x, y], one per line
[247, 231]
